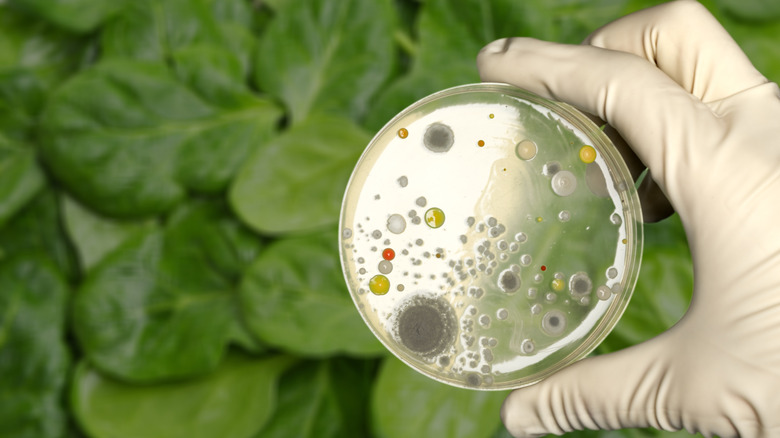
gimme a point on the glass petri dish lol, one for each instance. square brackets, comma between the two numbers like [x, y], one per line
[490, 237]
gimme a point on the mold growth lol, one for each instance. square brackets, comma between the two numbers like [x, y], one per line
[508, 281]
[526, 150]
[396, 224]
[426, 325]
[580, 285]
[438, 137]
[554, 322]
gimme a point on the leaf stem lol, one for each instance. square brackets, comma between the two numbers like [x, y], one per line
[406, 43]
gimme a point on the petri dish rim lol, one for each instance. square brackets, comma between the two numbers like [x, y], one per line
[619, 175]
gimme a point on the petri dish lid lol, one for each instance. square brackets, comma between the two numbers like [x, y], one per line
[489, 237]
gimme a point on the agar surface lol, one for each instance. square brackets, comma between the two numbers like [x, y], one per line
[489, 263]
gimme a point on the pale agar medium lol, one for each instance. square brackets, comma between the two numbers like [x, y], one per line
[490, 237]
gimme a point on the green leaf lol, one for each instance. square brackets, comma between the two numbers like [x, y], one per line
[74, 432]
[37, 229]
[216, 75]
[760, 44]
[22, 93]
[128, 139]
[455, 31]
[313, 402]
[275, 5]
[95, 236]
[29, 43]
[297, 181]
[405, 403]
[326, 56]
[20, 178]
[79, 16]
[235, 401]
[294, 297]
[163, 304]
[757, 35]
[34, 358]
[208, 227]
[155, 29]
[226, 247]
[409, 89]
[451, 33]
[34, 58]
[755, 11]
[232, 11]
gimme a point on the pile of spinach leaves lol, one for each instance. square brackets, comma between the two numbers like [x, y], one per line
[170, 179]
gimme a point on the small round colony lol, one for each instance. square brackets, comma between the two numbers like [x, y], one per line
[526, 150]
[587, 154]
[438, 137]
[434, 217]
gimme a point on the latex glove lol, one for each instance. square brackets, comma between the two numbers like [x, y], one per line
[707, 125]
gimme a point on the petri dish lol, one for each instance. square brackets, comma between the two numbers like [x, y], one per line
[489, 237]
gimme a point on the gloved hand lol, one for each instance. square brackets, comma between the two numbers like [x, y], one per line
[707, 124]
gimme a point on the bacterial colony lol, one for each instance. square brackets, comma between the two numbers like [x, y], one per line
[486, 240]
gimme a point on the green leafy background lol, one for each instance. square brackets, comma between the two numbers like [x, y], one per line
[170, 179]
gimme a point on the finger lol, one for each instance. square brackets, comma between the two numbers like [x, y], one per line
[654, 114]
[687, 43]
[630, 388]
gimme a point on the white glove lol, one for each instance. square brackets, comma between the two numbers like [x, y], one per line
[707, 125]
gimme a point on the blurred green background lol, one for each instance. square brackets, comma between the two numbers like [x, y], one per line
[171, 173]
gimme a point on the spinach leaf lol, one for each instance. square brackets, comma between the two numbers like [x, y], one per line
[26, 42]
[215, 74]
[22, 93]
[326, 56]
[34, 57]
[95, 236]
[447, 32]
[155, 29]
[233, 11]
[37, 229]
[79, 16]
[451, 33]
[34, 357]
[314, 401]
[756, 11]
[410, 88]
[405, 403]
[128, 139]
[297, 181]
[162, 305]
[235, 401]
[294, 298]
[151, 30]
[20, 178]
[756, 35]
[208, 227]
